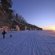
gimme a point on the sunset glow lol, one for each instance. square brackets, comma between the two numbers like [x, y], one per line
[49, 28]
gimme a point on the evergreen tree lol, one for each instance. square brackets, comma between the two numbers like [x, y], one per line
[20, 19]
[7, 5]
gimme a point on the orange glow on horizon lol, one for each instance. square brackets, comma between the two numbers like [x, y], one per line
[49, 28]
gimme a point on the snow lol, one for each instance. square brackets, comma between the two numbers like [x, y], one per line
[27, 43]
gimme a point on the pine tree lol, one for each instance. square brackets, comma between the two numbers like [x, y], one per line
[20, 19]
[7, 7]
[6, 4]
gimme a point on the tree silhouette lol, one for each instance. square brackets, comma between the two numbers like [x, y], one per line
[6, 6]
[20, 19]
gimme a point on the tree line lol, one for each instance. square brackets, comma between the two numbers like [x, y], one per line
[7, 8]
[12, 18]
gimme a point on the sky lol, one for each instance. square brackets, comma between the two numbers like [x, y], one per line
[37, 12]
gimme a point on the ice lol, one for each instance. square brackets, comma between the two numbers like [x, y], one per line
[27, 43]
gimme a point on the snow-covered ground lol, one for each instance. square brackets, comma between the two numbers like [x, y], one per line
[27, 43]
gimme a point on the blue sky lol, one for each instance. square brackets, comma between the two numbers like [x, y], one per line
[37, 12]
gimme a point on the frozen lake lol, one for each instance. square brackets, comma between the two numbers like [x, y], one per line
[28, 43]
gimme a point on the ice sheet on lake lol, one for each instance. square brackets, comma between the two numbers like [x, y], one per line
[27, 43]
